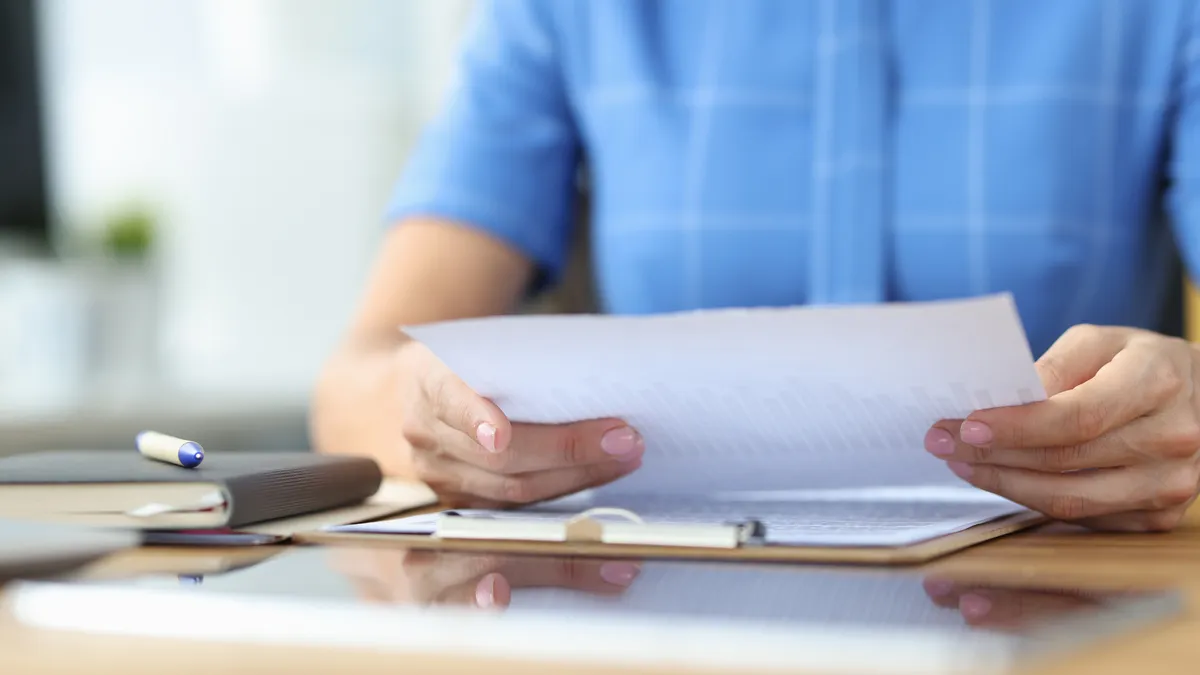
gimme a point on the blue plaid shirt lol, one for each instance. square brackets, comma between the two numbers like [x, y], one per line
[781, 152]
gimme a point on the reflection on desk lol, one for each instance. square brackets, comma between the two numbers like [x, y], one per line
[646, 613]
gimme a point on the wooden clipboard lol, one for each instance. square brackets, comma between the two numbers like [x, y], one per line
[877, 555]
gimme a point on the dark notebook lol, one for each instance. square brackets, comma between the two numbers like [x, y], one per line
[229, 490]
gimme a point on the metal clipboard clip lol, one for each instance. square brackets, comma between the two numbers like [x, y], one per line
[591, 527]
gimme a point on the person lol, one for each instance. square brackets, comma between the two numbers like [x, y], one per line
[776, 152]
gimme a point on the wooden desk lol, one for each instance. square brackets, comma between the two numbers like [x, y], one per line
[1076, 559]
[1052, 556]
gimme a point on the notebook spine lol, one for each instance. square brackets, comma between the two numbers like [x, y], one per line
[286, 493]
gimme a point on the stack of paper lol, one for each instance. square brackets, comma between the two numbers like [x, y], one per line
[740, 402]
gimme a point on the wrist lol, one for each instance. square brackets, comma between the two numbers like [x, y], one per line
[355, 407]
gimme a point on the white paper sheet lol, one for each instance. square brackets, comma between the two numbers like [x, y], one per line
[760, 399]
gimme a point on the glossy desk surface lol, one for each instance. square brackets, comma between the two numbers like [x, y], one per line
[1051, 557]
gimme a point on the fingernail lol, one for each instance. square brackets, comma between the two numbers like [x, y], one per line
[485, 433]
[618, 573]
[938, 587]
[961, 469]
[975, 433]
[939, 442]
[485, 592]
[493, 591]
[974, 606]
[621, 442]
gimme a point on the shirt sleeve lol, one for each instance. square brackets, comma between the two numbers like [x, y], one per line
[501, 156]
[1183, 196]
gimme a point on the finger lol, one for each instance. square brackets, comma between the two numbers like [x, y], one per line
[412, 577]
[943, 592]
[493, 592]
[1016, 609]
[1108, 451]
[1087, 494]
[1153, 438]
[597, 577]
[429, 579]
[949, 593]
[490, 591]
[1119, 393]
[536, 447]
[463, 484]
[1077, 356]
[539, 447]
[494, 589]
[461, 408]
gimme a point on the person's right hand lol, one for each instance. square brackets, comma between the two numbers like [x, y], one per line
[470, 454]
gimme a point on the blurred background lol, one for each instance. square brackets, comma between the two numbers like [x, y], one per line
[191, 193]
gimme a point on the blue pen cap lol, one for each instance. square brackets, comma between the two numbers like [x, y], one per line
[190, 455]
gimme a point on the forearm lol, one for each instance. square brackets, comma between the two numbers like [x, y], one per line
[435, 270]
[427, 271]
[351, 412]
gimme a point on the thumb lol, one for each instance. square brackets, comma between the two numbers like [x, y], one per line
[460, 407]
[490, 591]
[1077, 356]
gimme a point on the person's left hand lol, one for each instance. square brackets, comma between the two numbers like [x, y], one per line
[484, 581]
[1115, 446]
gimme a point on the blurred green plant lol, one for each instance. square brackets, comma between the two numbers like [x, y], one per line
[129, 233]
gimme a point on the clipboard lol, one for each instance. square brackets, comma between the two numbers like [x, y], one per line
[586, 527]
[587, 535]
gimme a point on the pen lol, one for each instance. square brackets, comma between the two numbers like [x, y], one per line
[169, 449]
